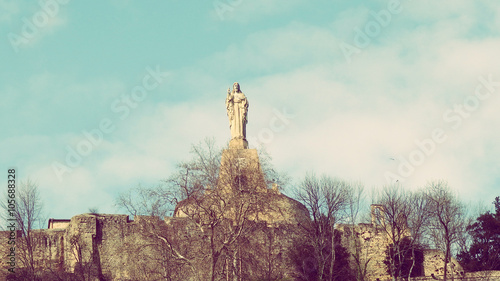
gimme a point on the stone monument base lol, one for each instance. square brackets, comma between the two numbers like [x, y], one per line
[241, 162]
[238, 144]
[241, 178]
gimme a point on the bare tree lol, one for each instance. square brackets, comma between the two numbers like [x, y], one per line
[87, 266]
[28, 214]
[417, 221]
[395, 208]
[326, 199]
[146, 201]
[163, 252]
[446, 223]
[225, 210]
[271, 175]
[220, 197]
[402, 217]
[360, 258]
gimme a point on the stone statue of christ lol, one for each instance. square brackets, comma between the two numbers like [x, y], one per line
[237, 108]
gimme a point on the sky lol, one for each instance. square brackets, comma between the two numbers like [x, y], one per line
[100, 96]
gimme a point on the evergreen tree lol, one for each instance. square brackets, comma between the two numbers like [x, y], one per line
[484, 251]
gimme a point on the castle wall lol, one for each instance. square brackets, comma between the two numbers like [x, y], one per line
[111, 247]
[434, 264]
[368, 243]
[58, 224]
[48, 248]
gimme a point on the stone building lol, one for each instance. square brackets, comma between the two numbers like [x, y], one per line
[370, 241]
[113, 247]
[238, 229]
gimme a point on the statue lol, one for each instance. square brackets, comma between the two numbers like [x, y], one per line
[237, 108]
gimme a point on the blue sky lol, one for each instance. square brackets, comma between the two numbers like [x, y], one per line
[374, 91]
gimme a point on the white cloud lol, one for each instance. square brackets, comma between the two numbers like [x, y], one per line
[351, 119]
[276, 50]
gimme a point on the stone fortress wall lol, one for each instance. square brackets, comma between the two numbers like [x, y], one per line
[104, 247]
[113, 247]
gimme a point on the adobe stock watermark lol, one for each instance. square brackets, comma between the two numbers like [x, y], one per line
[121, 107]
[222, 7]
[363, 37]
[454, 117]
[31, 28]
[278, 123]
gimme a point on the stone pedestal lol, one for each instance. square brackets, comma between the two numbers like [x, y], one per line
[241, 180]
[242, 166]
[240, 171]
[238, 144]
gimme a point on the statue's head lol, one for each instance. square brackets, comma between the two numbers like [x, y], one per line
[236, 87]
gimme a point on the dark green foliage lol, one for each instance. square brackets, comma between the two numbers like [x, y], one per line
[403, 259]
[484, 252]
[342, 270]
[306, 262]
